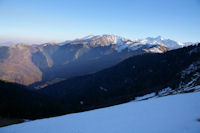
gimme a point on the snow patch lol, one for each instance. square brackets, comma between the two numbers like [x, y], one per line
[154, 50]
[147, 96]
[103, 89]
[192, 68]
[165, 91]
[81, 102]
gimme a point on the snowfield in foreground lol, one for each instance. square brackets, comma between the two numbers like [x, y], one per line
[170, 114]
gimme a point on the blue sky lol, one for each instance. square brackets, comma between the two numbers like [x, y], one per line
[59, 20]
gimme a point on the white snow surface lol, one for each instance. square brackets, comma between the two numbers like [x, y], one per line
[166, 42]
[170, 114]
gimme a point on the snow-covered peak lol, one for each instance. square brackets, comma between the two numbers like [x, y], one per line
[122, 43]
[101, 40]
[171, 44]
[160, 38]
[152, 39]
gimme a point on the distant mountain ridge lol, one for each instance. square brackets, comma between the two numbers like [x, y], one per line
[105, 40]
[37, 64]
[172, 72]
[154, 74]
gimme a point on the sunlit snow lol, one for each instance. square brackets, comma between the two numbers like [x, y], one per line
[170, 114]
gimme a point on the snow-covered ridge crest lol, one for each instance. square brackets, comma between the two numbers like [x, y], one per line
[171, 44]
[122, 43]
[100, 40]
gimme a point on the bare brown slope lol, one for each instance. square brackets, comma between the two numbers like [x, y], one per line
[35, 65]
[18, 67]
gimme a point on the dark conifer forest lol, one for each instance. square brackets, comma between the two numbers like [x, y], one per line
[135, 76]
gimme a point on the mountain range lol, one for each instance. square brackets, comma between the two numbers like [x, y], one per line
[169, 73]
[133, 77]
[40, 65]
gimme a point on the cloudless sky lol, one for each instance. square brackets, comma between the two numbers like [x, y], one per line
[59, 20]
